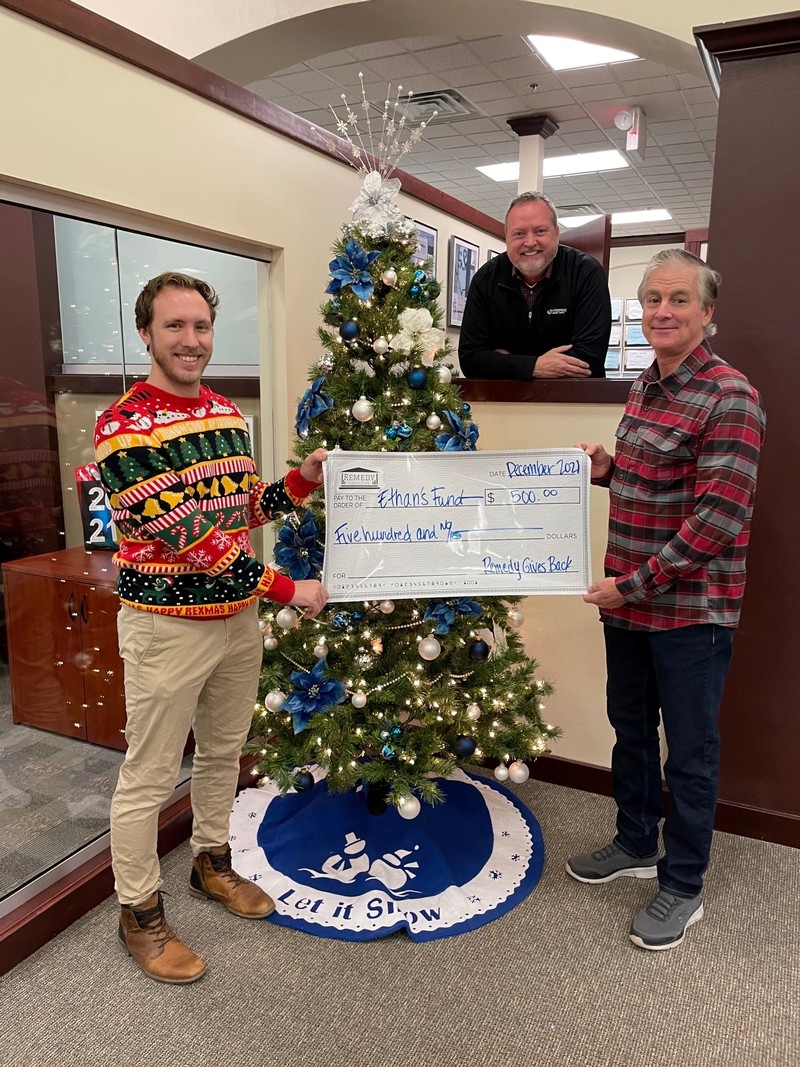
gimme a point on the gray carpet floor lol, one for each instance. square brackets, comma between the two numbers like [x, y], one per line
[555, 983]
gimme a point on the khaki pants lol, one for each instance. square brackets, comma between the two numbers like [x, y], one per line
[180, 674]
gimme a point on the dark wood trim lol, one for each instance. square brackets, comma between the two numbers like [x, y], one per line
[95, 30]
[552, 391]
[770, 35]
[740, 819]
[92, 384]
[33, 924]
[637, 240]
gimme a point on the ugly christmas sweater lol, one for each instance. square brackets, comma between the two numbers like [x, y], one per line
[184, 494]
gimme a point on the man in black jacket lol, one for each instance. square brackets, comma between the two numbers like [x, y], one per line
[539, 310]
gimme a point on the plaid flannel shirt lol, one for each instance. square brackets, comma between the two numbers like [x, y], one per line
[682, 484]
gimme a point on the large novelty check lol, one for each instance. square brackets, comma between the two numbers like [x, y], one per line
[430, 524]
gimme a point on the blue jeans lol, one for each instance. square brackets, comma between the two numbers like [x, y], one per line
[681, 673]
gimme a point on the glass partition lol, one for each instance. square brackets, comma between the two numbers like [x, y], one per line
[66, 300]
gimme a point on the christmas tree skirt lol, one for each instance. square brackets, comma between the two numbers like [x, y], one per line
[336, 870]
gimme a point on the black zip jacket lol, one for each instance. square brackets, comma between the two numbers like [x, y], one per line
[572, 307]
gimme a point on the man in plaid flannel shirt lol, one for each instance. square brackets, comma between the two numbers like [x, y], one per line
[682, 482]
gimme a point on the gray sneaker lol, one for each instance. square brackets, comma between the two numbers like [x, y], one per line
[665, 920]
[609, 863]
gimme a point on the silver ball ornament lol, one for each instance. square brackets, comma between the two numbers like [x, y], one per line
[515, 617]
[321, 650]
[358, 699]
[275, 700]
[501, 772]
[386, 606]
[433, 422]
[429, 648]
[380, 346]
[363, 409]
[444, 374]
[473, 712]
[286, 618]
[263, 625]
[518, 772]
[389, 277]
[270, 643]
[408, 808]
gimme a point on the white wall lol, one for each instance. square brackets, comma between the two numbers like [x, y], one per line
[97, 138]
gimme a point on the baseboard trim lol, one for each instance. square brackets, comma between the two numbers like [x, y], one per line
[40, 919]
[781, 828]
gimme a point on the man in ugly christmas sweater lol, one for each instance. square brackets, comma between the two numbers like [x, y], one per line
[177, 462]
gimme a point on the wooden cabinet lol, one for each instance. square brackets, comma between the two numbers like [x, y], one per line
[61, 618]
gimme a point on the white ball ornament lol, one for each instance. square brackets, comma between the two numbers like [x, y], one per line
[473, 712]
[518, 772]
[444, 374]
[433, 422]
[286, 618]
[501, 772]
[429, 648]
[275, 700]
[408, 808]
[380, 346]
[386, 606]
[270, 643]
[262, 625]
[389, 277]
[515, 617]
[358, 699]
[363, 409]
[321, 650]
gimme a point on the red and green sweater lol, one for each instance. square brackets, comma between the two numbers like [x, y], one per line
[184, 495]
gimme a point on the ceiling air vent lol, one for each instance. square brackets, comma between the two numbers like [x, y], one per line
[449, 105]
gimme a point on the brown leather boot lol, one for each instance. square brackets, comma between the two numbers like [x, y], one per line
[147, 936]
[213, 877]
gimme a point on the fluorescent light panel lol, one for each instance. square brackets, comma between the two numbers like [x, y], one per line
[618, 218]
[563, 53]
[555, 166]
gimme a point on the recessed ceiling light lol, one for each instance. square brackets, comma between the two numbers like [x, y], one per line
[563, 53]
[572, 221]
[579, 163]
[654, 214]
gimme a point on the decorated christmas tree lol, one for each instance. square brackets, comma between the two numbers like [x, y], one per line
[389, 694]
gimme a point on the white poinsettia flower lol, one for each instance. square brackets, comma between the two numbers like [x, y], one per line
[417, 332]
[375, 208]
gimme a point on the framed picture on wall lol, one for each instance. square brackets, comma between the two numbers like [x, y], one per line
[427, 243]
[464, 261]
[490, 254]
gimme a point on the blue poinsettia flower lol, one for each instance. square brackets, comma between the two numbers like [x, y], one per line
[352, 268]
[444, 614]
[462, 439]
[298, 550]
[312, 693]
[312, 403]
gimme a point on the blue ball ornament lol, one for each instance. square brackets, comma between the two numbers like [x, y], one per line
[396, 731]
[465, 746]
[414, 290]
[387, 752]
[417, 378]
[478, 650]
[404, 431]
[466, 409]
[303, 781]
[391, 433]
[420, 275]
[349, 330]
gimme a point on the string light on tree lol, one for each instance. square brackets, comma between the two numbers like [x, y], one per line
[396, 666]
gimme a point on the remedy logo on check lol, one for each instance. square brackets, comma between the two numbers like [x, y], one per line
[359, 478]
